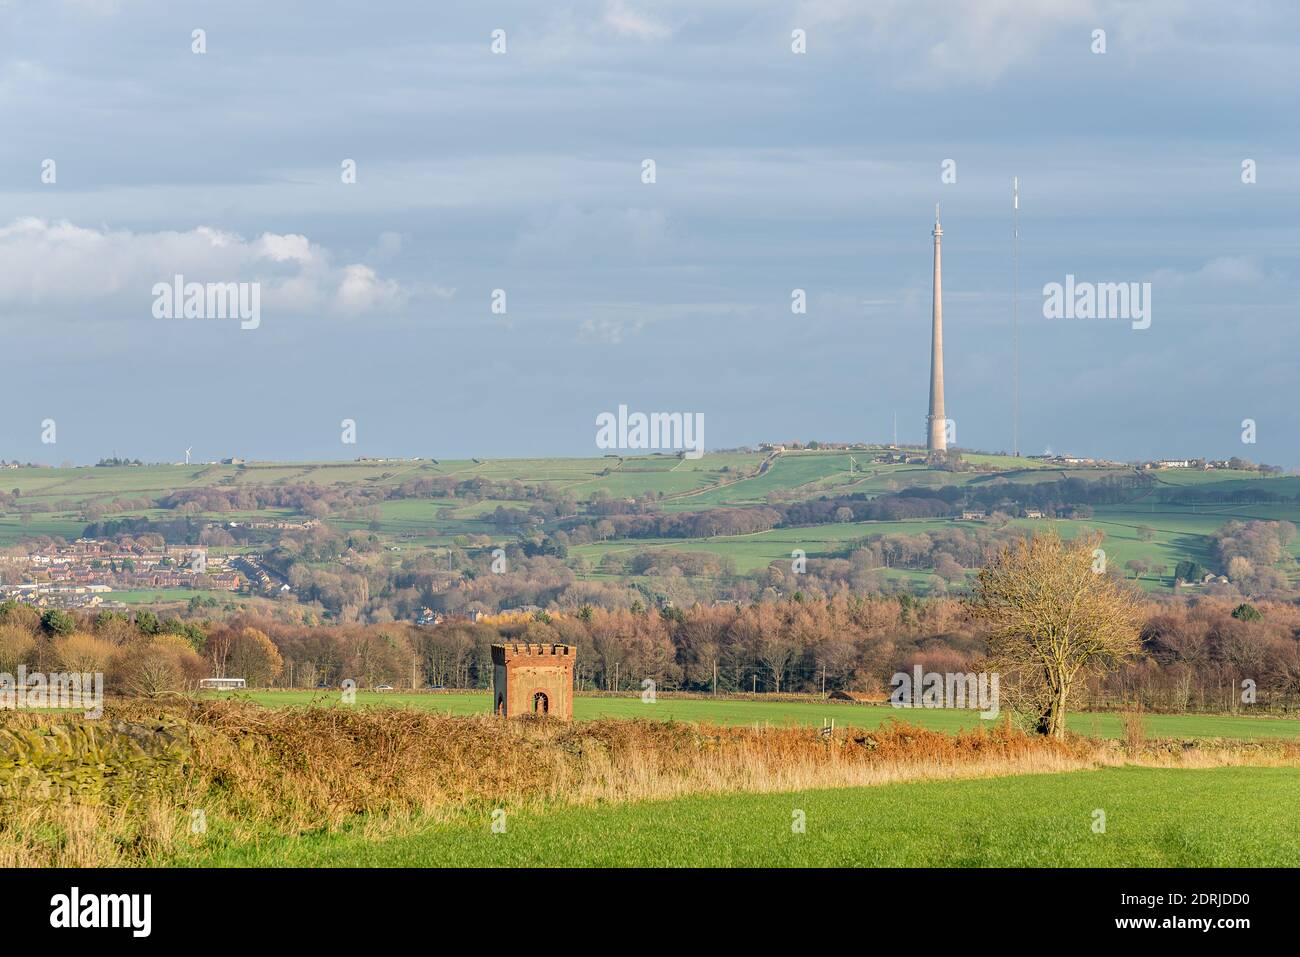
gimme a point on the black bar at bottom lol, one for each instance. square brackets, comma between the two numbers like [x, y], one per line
[336, 906]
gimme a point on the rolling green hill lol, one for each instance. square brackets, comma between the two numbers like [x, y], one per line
[1182, 507]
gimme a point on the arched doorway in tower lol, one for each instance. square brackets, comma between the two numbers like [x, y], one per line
[501, 704]
[541, 704]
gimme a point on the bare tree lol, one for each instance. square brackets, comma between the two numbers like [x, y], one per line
[777, 652]
[1056, 618]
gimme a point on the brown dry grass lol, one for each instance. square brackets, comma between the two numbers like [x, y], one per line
[257, 771]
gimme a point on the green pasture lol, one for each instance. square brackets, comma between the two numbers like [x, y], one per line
[760, 549]
[419, 517]
[790, 470]
[1223, 479]
[1003, 461]
[149, 596]
[1153, 817]
[728, 711]
[54, 524]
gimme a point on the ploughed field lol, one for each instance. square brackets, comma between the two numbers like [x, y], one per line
[1153, 817]
[786, 713]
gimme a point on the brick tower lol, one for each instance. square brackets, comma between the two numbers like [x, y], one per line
[533, 679]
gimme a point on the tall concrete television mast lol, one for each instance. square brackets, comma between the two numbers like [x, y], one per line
[936, 421]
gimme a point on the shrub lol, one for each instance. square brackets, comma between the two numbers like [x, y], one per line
[164, 665]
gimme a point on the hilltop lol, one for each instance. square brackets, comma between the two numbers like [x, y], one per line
[728, 525]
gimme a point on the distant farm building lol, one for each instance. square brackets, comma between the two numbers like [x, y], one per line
[533, 679]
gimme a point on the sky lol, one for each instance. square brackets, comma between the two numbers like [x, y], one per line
[524, 171]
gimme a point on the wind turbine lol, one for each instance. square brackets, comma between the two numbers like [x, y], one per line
[187, 454]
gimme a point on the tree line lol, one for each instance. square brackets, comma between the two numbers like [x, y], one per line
[1191, 655]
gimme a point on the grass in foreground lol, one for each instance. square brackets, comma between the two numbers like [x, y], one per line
[792, 713]
[123, 790]
[1219, 817]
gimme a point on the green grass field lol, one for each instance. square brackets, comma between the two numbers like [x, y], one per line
[760, 549]
[151, 596]
[748, 712]
[1219, 817]
[1179, 533]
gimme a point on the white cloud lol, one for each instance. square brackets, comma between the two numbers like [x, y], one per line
[1232, 269]
[60, 267]
[285, 248]
[623, 21]
[361, 291]
[607, 331]
[1219, 271]
[389, 245]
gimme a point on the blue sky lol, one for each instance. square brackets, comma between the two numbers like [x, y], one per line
[522, 172]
